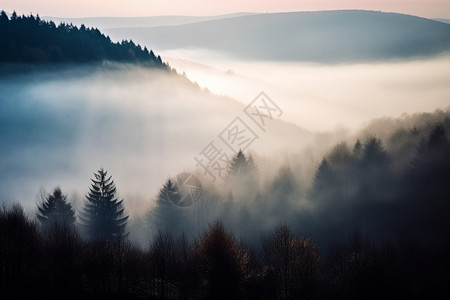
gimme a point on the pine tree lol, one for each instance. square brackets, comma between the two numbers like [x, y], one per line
[374, 153]
[252, 168]
[242, 166]
[324, 185]
[242, 176]
[169, 193]
[103, 215]
[4, 20]
[238, 164]
[357, 149]
[167, 215]
[56, 210]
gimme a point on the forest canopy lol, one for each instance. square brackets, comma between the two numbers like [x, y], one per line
[29, 39]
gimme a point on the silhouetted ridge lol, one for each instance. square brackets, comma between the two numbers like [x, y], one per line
[28, 39]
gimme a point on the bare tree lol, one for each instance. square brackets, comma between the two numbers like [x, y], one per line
[163, 256]
[295, 262]
[221, 264]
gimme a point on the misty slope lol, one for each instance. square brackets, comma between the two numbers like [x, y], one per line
[326, 36]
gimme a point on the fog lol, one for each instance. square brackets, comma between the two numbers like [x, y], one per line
[145, 126]
[322, 96]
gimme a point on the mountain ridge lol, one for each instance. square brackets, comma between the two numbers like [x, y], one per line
[136, 22]
[323, 36]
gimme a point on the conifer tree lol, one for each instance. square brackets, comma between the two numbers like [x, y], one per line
[357, 149]
[103, 215]
[238, 164]
[242, 166]
[243, 176]
[56, 210]
[169, 192]
[324, 184]
[167, 215]
[252, 168]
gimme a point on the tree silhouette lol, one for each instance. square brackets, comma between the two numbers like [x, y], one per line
[221, 264]
[242, 176]
[295, 262]
[20, 244]
[357, 149]
[103, 215]
[242, 166]
[163, 257]
[28, 39]
[56, 210]
[324, 183]
[167, 216]
[374, 154]
[169, 192]
[62, 246]
[352, 269]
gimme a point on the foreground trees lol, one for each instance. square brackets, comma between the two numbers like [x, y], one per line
[19, 250]
[294, 261]
[220, 264]
[59, 264]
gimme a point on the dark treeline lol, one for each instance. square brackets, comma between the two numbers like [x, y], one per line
[29, 39]
[57, 262]
[401, 190]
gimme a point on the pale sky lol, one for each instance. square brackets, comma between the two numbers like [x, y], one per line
[131, 8]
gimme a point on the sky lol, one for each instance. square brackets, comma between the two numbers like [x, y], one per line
[134, 8]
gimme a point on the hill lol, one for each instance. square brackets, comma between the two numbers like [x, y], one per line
[28, 39]
[325, 36]
[103, 23]
[443, 20]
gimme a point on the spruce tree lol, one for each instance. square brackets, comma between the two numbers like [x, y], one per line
[56, 210]
[324, 185]
[169, 192]
[357, 149]
[242, 166]
[167, 215]
[103, 215]
[242, 176]
[238, 165]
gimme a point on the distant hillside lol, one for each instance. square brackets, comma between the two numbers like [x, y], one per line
[133, 22]
[28, 39]
[443, 20]
[326, 36]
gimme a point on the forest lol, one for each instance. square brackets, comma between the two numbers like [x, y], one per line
[375, 226]
[28, 39]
